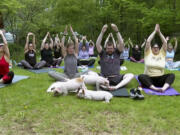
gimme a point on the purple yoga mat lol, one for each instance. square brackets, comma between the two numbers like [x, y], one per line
[169, 92]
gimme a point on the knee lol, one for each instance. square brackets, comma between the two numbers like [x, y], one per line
[130, 75]
[172, 76]
[23, 61]
[51, 73]
[141, 77]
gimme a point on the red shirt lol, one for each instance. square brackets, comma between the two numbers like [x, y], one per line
[4, 66]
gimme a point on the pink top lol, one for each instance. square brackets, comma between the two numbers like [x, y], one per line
[91, 50]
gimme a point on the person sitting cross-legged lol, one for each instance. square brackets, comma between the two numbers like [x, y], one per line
[70, 54]
[6, 76]
[30, 55]
[170, 63]
[109, 60]
[154, 77]
[84, 58]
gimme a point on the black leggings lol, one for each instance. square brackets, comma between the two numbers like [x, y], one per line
[86, 62]
[8, 77]
[158, 81]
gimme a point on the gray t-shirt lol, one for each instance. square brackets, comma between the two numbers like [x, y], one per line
[70, 62]
[110, 64]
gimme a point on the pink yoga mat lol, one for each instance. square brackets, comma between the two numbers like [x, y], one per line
[169, 92]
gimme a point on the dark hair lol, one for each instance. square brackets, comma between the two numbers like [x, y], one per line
[155, 44]
[110, 43]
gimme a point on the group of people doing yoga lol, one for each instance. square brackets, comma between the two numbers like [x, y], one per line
[76, 52]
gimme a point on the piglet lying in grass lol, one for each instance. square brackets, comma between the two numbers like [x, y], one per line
[62, 88]
[97, 80]
[94, 95]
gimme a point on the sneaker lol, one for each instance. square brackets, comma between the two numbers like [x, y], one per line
[133, 93]
[139, 95]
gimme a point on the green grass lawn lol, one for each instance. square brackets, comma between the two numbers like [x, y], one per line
[26, 108]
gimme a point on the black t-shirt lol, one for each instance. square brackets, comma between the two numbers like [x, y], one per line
[46, 55]
[30, 57]
[136, 54]
[110, 64]
[57, 52]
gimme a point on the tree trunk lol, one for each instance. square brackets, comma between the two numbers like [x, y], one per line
[1, 21]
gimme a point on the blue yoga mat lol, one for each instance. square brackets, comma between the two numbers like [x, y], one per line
[16, 78]
[38, 71]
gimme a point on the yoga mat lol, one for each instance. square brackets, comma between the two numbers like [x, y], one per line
[38, 71]
[173, 69]
[121, 92]
[169, 92]
[16, 78]
[61, 67]
[91, 66]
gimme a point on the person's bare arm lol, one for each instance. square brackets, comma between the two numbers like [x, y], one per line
[176, 43]
[27, 42]
[63, 49]
[143, 44]
[107, 39]
[76, 41]
[44, 40]
[120, 44]
[51, 42]
[113, 40]
[150, 38]
[163, 39]
[131, 43]
[34, 42]
[98, 42]
[6, 49]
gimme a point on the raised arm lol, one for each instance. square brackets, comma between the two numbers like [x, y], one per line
[51, 42]
[44, 40]
[150, 38]
[143, 44]
[27, 43]
[107, 39]
[164, 41]
[63, 49]
[176, 43]
[113, 40]
[76, 41]
[34, 41]
[131, 43]
[6, 49]
[120, 44]
[98, 42]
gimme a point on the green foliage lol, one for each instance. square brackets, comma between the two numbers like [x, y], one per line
[135, 18]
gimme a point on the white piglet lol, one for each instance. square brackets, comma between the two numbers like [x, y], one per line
[95, 80]
[95, 95]
[64, 87]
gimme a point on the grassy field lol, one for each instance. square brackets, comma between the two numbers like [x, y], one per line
[26, 109]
